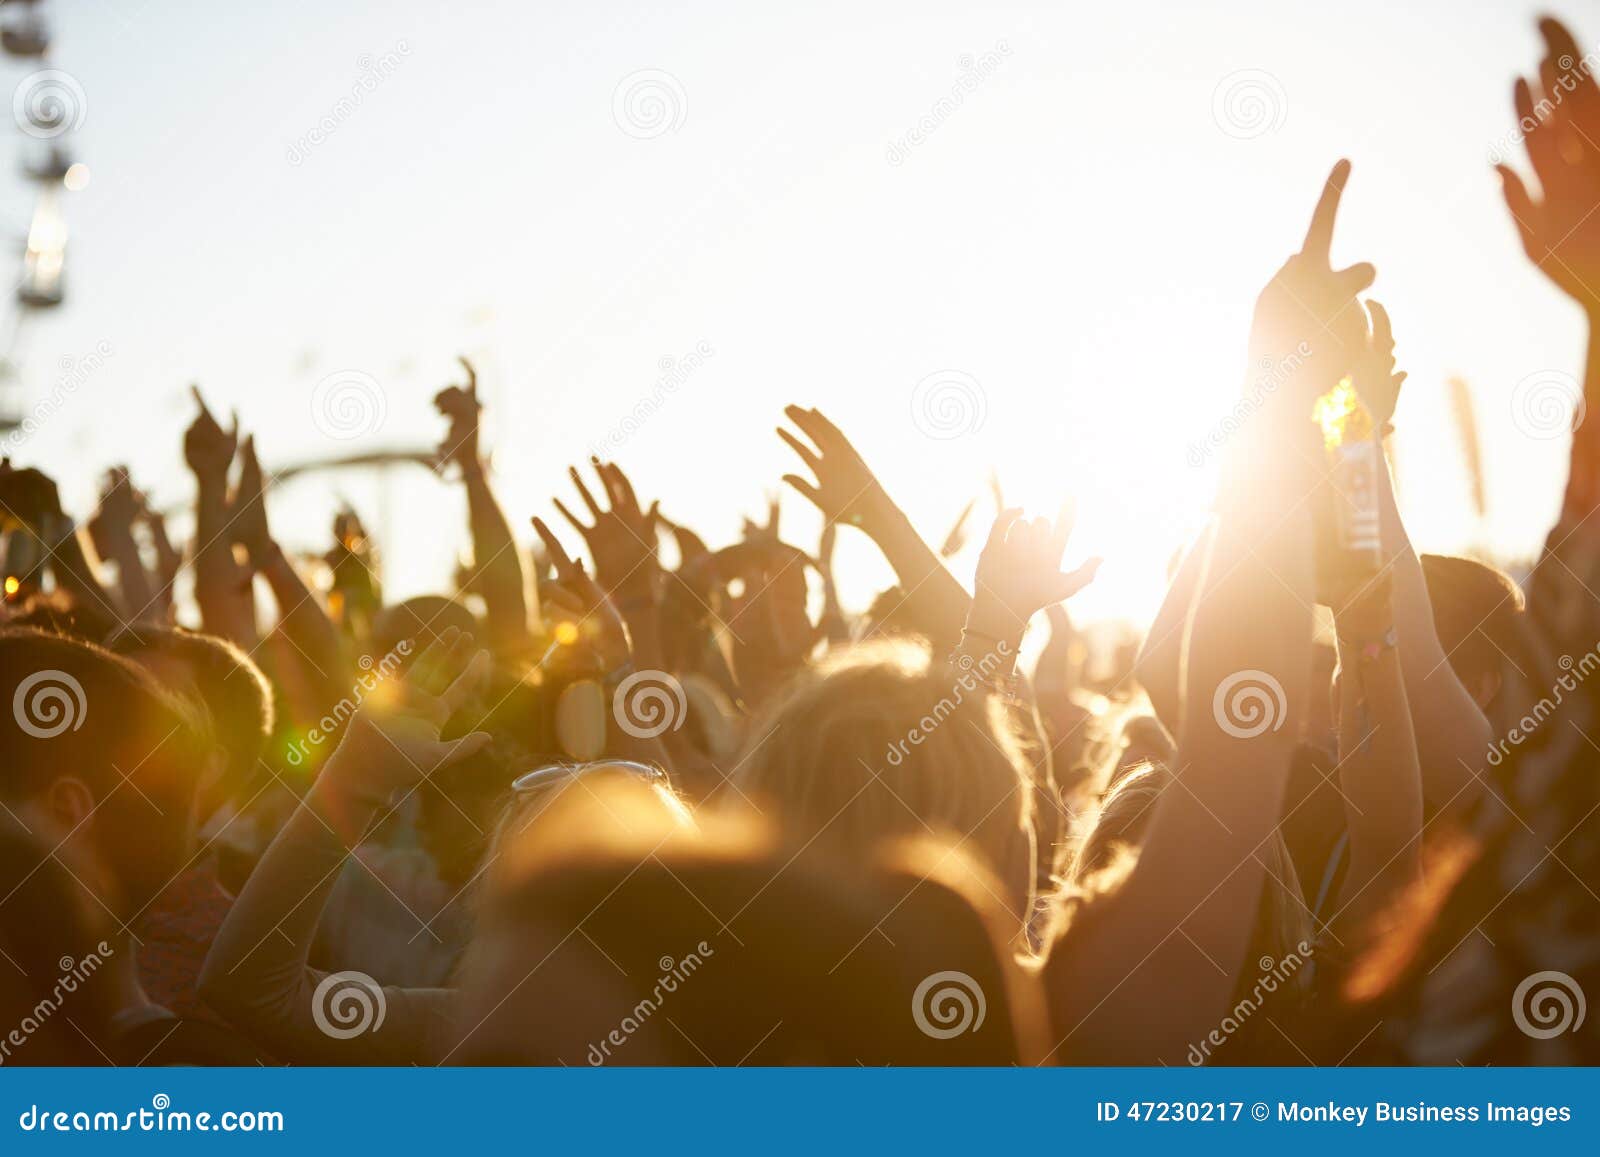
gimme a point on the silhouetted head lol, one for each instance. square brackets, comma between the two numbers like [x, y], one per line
[94, 750]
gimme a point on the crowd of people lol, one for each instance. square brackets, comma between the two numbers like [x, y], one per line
[592, 808]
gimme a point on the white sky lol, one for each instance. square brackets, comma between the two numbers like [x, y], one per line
[1079, 236]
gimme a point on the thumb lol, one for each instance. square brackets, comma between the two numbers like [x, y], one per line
[464, 748]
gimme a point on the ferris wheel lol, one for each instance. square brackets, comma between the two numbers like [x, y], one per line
[48, 107]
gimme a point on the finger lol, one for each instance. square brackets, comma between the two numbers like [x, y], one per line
[807, 455]
[1349, 282]
[552, 545]
[1544, 152]
[464, 748]
[1518, 203]
[1559, 41]
[425, 670]
[583, 492]
[624, 486]
[472, 375]
[1382, 331]
[1075, 581]
[467, 684]
[809, 491]
[608, 482]
[1002, 526]
[572, 518]
[205, 411]
[1319, 236]
[814, 426]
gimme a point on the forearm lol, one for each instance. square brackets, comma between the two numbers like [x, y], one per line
[937, 602]
[499, 567]
[1451, 732]
[1159, 667]
[300, 616]
[137, 593]
[257, 973]
[221, 587]
[1379, 779]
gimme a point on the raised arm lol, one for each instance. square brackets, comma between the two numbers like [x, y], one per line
[256, 973]
[1192, 897]
[111, 533]
[847, 491]
[497, 564]
[301, 620]
[222, 585]
[1451, 731]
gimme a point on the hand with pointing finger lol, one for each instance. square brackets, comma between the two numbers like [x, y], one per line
[460, 405]
[1308, 328]
[207, 447]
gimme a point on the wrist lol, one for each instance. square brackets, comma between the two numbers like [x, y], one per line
[991, 624]
[347, 779]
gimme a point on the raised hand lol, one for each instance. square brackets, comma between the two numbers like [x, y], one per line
[576, 598]
[846, 490]
[249, 522]
[1559, 116]
[1375, 378]
[207, 447]
[461, 406]
[113, 520]
[622, 540]
[1308, 329]
[1019, 574]
[393, 740]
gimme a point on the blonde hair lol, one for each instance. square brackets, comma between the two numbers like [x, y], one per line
[875, 743]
